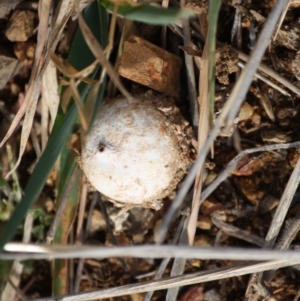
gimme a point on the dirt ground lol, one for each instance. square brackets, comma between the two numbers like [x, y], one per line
[245, 201]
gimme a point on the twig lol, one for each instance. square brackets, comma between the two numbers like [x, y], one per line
[81, 261]
[165, 262]
[236, 232]
[109, 228]
[62, 205]
[291, 229]
[271, 73]
[23, 251]
[267, 81]
[189, 64]
[281, 20]
[200, 277]
[229, 112]
[280, 215]
[178, 265]
[14, 276]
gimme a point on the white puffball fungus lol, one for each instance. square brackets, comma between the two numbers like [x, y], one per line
[137, 150]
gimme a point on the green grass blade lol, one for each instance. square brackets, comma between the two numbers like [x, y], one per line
[61, 131]
[213, 13]
[150, 14]
[68, 162]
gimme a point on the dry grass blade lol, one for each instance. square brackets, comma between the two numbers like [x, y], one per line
[68, 70]
[53, 228]
[178, 265]
[80, 107]
[230, 110]
[44, 251]
[283, 206]
[280, 215]
[267, 81]
[236, 232]
[50, 101]
[272, 73]
[99, 54]
[203, 129]
[165, 262]
[281, 20]
[14, 275]
[63, 12]
[232, 165]
[189, 63]
[200, 277]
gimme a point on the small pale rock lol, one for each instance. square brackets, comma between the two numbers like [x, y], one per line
[97, 221]
[20, 26]
[204, 222]
[256, 119]
[209, 206]
[24, 51]
[8, 67]
[203, 241]
[210, 178]
[246, 112]
[212, 295]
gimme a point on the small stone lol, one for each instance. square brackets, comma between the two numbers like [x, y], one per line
[246, 112]
[209, 206]
[202, 241]
[24, 51]
[256, 119]
[97, 221]
[204, 222]
[20, 26]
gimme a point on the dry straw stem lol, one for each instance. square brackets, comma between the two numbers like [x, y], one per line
[232, 165]
[165, 262]
[236, 232]
[280, 213]
[98, 52]
[53, 33]
[267, 81]
[22, 251]
[229, 112]
[9, 292]
[203, 129]
[189, 65]
[271, 73]
[200, 277]
[54, 225]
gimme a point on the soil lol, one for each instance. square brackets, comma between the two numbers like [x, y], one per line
[247, 199]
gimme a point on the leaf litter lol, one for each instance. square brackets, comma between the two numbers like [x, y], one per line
[238, 190]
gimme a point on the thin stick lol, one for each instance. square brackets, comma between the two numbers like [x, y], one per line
[281, 20]
[62, 205]
[229, 112]
[272, 73]
[200, 277]
[231, 166]
[23, 251]
[267, 81]
[109, 228]
[189, 64]
[165, 262]
[279, 217]
[238, 233]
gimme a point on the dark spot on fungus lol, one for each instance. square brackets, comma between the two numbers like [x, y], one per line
[101, 147]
